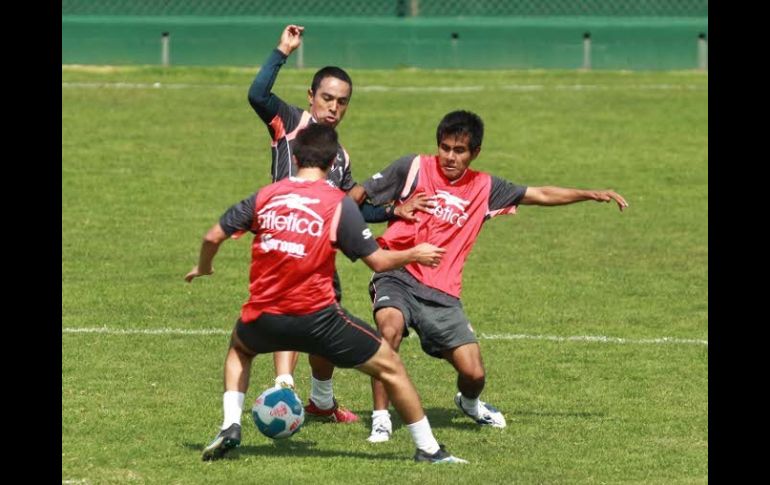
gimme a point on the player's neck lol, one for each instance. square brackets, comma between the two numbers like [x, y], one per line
[311, 174]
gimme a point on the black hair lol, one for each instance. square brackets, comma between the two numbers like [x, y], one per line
[316, 146]
[330, 71]
[462, 123]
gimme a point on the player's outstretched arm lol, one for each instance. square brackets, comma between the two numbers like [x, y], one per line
[209, 247]
[291, 38]
[549, 195]
[385, 260]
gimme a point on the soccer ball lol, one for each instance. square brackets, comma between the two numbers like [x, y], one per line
[278, 413]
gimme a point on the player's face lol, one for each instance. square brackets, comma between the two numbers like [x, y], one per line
[330, 101]
[455, 155]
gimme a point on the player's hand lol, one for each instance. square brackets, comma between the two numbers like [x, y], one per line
[608, 195]
[194, 273]
[418, 202]
[291, 38]
[428, 254]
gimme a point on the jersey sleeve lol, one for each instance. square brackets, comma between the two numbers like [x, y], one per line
[347, 174]
[354, 238]
[386, 185]
[240, 217]
[504, 196]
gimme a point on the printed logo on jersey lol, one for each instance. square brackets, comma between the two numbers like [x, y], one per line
[450, 208]
[269, 243]
[268, 218]
[367, 233]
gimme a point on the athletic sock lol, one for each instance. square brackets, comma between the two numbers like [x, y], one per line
[321, 393]
[232, 402]
[284, 380]
[470, 405]
[423, 436]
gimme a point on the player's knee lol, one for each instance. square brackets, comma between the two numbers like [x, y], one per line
[389, 365]
[393, 335]
[475, 376]
[389, 316]
[390, 323]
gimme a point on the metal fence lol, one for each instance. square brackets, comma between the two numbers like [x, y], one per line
[391, 8]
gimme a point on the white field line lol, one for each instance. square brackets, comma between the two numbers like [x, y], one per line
[483, 336]
[406, 89]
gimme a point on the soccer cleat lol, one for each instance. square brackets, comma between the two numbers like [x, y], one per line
[336, 414]
[441, 456]
[226, 440]
[486, 413]
[382, 428]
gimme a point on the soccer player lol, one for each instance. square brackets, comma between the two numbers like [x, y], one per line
[298, 224]
[427, 299]
[328, 99]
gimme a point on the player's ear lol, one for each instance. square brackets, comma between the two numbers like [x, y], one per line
[310, 96]
[475, 153]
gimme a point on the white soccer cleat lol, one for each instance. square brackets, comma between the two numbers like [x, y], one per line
[486, 414]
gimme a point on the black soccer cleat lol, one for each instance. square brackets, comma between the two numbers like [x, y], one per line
[226, 440]
[441, 456]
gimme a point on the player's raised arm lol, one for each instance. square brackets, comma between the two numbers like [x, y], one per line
[261, 98]
[549, 195]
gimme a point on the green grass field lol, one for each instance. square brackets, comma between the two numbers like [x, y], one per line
[147, 168]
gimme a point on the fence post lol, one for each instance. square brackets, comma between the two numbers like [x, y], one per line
[301, 56]
[703, 52]
[454, 36]
[587, 51]
[414, 8]
[165, 54]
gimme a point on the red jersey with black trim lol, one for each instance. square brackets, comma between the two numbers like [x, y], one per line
[295, 226]
[454, 224]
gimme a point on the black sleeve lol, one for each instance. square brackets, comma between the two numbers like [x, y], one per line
[505, 194]
[386, 185]
[239, 217]
[354, 238]
[265, 103]
[347, 178]
[376, 213]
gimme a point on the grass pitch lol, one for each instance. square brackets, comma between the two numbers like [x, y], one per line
[151, 157]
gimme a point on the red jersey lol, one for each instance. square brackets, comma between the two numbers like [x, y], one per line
[463, 206]
[292, 254]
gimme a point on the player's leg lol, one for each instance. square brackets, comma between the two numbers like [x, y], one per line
[392, 305]
[236, 383]
[284, 363]
[386, 366]
[390, 323]
[471, 377]
[322, 402]
[347, 341]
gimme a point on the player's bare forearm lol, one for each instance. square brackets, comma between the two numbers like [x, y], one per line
[209, 247]
[385, 260]
[357, 193]
[549, 196]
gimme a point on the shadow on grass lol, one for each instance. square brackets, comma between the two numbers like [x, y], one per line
[560, 414]
[438, 418]
[296, 449]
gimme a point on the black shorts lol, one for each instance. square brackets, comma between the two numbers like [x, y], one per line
[331, 332]
[440, 327]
